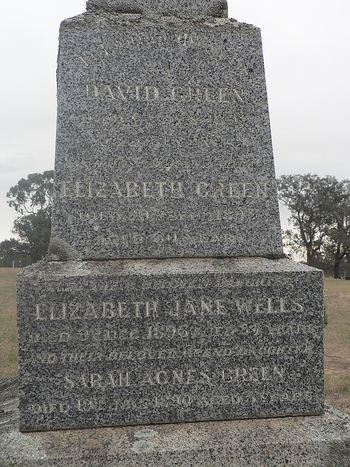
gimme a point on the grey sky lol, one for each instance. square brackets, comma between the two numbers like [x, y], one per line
[306, 49]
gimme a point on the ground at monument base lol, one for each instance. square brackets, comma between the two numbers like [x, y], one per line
[300, 441]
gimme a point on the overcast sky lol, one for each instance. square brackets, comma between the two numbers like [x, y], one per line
[307, 60]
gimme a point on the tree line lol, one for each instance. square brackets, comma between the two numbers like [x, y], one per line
[319, 208]
[31, 198]
[320, 219]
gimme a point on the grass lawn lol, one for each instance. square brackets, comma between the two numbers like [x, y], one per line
[337, 336]
[8, 328]
[337, 343]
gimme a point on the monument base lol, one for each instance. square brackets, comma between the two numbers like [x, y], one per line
[168, 341]
[322, 441]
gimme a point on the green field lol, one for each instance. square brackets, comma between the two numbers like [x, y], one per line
[337, 336]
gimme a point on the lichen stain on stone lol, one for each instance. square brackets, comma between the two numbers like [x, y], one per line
[142, 446]
[145, 433]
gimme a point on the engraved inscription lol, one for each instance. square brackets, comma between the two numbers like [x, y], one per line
[189, 94]
[133, 355]
[182, 399]
[126, 119]
[174, 333]
[174, 377]
[166, 189]
[217, 45]
[232, 375]
[153, 309]
[95, 380]
[103, 310]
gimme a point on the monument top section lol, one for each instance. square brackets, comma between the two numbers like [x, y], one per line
[163, 140]
[216, 8]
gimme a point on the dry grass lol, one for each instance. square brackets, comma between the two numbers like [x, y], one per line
[337, 337]
[8, 328]
[337, 343]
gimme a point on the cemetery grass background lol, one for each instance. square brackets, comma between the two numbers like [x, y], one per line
[337, 336]
[8, 325]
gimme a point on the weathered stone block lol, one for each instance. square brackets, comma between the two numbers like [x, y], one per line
[322, 441]
[163, 140]
[150, 341]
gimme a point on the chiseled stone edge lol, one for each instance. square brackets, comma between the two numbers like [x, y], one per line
[89, 19]
[214, 8]
[168, 266]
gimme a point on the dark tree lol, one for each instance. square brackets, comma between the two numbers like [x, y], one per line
[13, 250]
[320, 216]
[32, 200]
[303, 196]
[337, 243]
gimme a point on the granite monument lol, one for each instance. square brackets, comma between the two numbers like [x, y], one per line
[163, 139]
[165, 296]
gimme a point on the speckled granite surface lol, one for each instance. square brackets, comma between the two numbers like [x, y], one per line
[147, 341]
[164, 151]
[181, 8]
[322, 441]
[163, 139]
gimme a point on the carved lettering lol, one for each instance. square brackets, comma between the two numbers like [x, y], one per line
[125, 92]
[252, 374]
[152, 308]
[185, 39]
[162, 189]
[175, 377]
[97, 381]
[146, 309]
[152, 93]
[38, 309]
